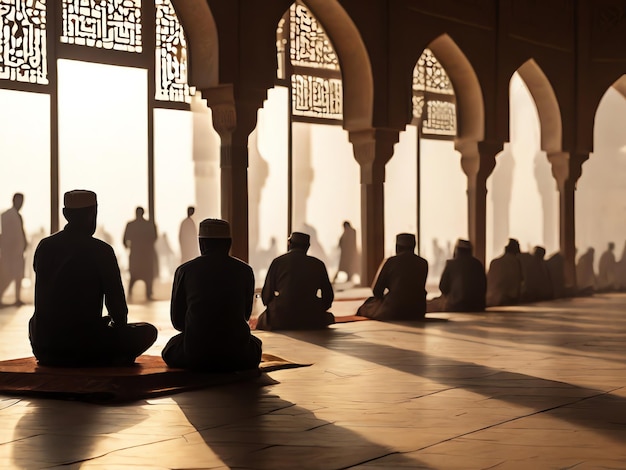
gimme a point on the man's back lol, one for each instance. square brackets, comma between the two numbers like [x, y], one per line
[504, 280]
[404, 275]
[291, 290]
[212, 300]
[74, 273]
[464, 284]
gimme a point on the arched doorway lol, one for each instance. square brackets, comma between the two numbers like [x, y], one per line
[303, 176]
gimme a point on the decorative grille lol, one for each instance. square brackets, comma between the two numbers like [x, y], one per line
[106, 24]
[23, 42]
[171, 55]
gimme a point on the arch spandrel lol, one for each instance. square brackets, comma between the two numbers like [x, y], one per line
[548, 109]
[467, 89]
[202, 39]
[358, 81]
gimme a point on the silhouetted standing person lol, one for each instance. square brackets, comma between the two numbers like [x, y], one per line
[12, 247]
[556, 269]
[140, 236]
[76, 275]
[400, 285]
[188, 237]
[211, 304]
[504, 279]
[463, 283]
[606, 269]
[348, 253]
[297, 291]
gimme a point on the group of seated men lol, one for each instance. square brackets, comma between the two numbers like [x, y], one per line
[76, 274]
[212, 296]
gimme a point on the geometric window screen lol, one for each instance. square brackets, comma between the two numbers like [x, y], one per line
[23, 44]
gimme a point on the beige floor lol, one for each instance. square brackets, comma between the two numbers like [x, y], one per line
[530, 387]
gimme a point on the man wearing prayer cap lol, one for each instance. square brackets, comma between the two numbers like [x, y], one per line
[76, 275]
[400, 285]
[504, 279]
[463, 283]
[211, 304]
[297, 291]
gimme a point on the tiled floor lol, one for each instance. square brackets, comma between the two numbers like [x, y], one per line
[528, 387]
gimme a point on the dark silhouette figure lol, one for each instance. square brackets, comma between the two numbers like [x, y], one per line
[504, 279]
[211, 304]
[13, 244]
[585, 274]
[140, 236]
[400, 285]
[76, 274]
[463, 283]
[620, 272]
[545, 283]
[606, 269]
[297, 291]
[188, 237]
[556, 269]
[349, 255]
[536, 283]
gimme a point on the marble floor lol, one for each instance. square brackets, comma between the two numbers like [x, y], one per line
[540, 386]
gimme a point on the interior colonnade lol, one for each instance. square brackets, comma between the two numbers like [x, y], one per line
[567, 60]
[360, 67]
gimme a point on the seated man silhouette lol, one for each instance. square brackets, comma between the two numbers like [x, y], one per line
[297, 291]
[400, 285]
[211, 304]
[463, 283]
[504, 279]
[75, 275]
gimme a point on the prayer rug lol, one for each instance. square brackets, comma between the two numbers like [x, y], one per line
[350, 318]
[149, 377]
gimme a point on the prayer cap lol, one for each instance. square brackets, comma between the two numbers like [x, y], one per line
[300, 238]
[79, 198]
[405, 239]
[214, 228]
[463, 244]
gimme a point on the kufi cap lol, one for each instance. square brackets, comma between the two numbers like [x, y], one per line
[79, 198]
[214, 228]
[405, 239]
[464, 244]
[300, 238]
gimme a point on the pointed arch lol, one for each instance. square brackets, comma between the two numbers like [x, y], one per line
[620, 85]
[550, 121]
[358, 81]
[201, 34]
[469, 95]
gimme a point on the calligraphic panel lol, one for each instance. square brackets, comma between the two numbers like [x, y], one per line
[316, 97]
[23, 42]
[440, 118]
[310, 46]
[171, 55]
[105, 24]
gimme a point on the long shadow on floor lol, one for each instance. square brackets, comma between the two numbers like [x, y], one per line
[248, 427]
[584, 407]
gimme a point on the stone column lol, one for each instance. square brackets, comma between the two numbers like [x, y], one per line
[478, 159]
[566, 170]
[372, 150]
[233, 121]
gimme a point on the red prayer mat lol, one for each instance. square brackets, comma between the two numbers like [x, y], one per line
[149, 377]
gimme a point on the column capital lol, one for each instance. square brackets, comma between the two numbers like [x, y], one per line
[372, 150]
[478, 159]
